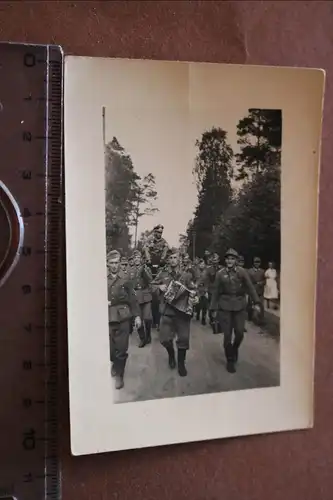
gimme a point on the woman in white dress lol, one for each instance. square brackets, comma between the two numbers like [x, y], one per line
[271, 292]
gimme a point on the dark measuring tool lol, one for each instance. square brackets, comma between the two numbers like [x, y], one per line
[31, 108]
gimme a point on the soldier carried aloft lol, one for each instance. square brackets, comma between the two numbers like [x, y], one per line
[155, 249]
[155, 252]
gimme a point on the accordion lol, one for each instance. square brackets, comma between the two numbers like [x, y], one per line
[180, 297]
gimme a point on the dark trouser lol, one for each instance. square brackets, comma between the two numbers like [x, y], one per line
[250, 305]
[232, 322]
[146, 319]
[155, 306]
[202, 307]
[119, 337]
[211, 319]
[176, 326]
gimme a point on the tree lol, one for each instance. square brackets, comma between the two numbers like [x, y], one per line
[213, 172]
[144, 195]
[120, 179]
[183, 243]
[251, 223]
[142, 239]
[259, 137]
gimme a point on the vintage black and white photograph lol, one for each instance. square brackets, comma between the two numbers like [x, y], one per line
[193, 259]
[191, 249]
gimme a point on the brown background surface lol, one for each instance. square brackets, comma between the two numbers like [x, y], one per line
[275, 467]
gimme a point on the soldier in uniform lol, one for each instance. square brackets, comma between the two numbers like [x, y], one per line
[131, 265]
[155, 252]
[156, 248]
[123, 306]
[187, 266]
[201, 281]
[207, 257]
[124, 265]
[174, 323]
[141, 278]
[229, 305]
[211, 271]
[241, 261]
[257, 275]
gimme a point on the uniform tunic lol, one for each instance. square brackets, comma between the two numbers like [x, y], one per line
[211, 272]
[174, 323]
[123, 306]
[257, 276]
[202, 287]
[141, 278]
[228, 299]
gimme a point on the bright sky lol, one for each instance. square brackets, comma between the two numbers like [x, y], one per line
[157, 111]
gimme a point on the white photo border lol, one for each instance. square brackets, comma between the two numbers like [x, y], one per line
[97, 423]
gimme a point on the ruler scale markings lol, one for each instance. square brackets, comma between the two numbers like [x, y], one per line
[33, 93]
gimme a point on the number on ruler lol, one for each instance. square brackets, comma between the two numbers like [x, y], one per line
[29, 440]
[27, 402]
[26, 289]
[29, 60]
[28, 327]
[27, 365]
[26, 212]
[28, 477]
[26, 175]
[26, 251]
[26, 136]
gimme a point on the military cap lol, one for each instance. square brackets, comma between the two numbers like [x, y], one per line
[159, 226]
[124, 260]
[257, 259]
[113, 254]
[173, 251]
[136, 252]
[231, 253]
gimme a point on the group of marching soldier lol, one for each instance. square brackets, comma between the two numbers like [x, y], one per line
[139, 291]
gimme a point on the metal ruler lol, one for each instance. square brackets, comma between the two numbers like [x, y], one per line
[31, 93]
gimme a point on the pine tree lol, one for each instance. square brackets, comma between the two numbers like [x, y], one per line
[213, 171]
[259, 137]
[144, 195]
[120, 180]
[251, 223]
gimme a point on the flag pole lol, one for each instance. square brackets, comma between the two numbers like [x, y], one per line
[103, 124]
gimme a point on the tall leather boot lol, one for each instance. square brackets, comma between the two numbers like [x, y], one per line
[229, 354]
[120, 367]
[171, 352]
[235, 352]
[181, 362]
[142, 336]
[148, 331]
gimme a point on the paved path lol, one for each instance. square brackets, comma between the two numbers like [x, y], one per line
[149, 377]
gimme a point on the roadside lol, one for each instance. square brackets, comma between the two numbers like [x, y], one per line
[272, 322]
